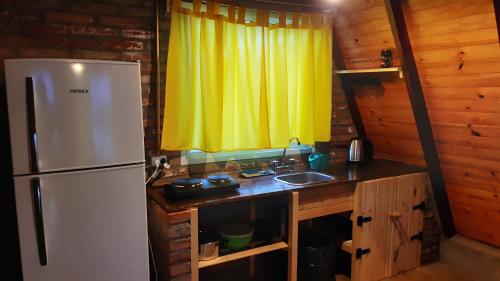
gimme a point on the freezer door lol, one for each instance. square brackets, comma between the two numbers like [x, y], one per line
[84, 114]
[91, 225]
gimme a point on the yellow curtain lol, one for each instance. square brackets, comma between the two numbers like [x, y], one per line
[233, 85]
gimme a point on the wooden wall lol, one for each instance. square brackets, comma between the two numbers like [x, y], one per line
[455, 44]
[363, 31]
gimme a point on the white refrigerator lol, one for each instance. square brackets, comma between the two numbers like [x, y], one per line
[78, 158]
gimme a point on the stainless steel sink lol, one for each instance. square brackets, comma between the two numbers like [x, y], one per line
[304, 178]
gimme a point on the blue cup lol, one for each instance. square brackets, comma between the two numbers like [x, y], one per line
[319, 161]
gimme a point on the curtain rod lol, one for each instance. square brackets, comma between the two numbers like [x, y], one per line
[325, 9]
[287, 4]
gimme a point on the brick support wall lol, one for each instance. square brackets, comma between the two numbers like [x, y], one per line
[170, 235]
[343, 128]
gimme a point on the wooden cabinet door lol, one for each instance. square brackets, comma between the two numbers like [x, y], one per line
[386, 226]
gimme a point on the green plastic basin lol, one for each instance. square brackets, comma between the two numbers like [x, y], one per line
[236, 236]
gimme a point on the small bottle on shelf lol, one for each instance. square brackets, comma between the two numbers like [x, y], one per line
[386, 58]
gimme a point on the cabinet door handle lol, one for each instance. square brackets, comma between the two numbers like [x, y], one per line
[30, 116]
[418, 236]
[361, 220]
[361, 252]
[40, 232]
[396, 219]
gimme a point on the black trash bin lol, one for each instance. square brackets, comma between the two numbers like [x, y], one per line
[316, 258]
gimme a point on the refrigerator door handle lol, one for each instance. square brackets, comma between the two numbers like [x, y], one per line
[30, 112]
[40, 232]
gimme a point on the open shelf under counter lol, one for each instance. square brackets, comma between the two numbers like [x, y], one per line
[243, 254]
[347, 246]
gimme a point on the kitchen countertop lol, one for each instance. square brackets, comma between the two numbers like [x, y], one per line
[253, 188]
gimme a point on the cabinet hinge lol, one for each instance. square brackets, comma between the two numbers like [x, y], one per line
[420, 206]
[360, 220]
[418, 236]
[360, 252]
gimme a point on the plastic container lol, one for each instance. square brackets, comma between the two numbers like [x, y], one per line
[316, 258]
[236, 236]
[319, 161]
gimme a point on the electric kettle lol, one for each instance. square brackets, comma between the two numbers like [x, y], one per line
[360, 151]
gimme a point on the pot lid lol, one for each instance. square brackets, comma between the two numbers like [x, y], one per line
[188, 182]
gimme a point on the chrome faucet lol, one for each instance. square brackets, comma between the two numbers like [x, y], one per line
[286, 164]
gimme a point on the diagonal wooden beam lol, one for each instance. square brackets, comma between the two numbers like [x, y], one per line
[496, 4]
[416, 96]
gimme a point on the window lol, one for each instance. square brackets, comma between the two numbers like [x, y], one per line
[246, 81]
[189, 157]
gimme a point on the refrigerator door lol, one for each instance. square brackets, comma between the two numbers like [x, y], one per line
[83, 226]
[85, 114]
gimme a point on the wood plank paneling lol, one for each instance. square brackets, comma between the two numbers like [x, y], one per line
[389, 204]
[455, 44]
[364, 31]
[459, 64]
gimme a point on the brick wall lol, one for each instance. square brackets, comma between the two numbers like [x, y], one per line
[112, 30]
[343, 128]
[106, 29]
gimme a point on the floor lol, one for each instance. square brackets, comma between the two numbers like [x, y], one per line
[461, 259]
[434, 272]
[479, 260]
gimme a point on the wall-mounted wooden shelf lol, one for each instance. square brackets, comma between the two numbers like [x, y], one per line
[370, 76]
[243, 254]
[369, 71]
